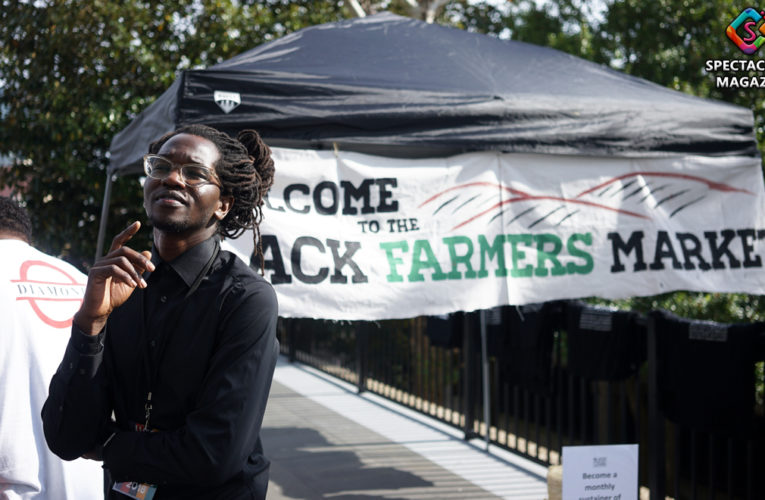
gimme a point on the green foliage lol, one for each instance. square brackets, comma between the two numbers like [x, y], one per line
[722, 307]
[73, 74]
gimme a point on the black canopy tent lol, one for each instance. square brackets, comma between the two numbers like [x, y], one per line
[395, 86]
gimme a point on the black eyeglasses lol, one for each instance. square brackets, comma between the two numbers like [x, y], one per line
[192, 174]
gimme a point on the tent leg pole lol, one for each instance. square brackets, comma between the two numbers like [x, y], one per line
[104, 216]
[361, 356]
[469, 369]
[485, 363]
[657, 451]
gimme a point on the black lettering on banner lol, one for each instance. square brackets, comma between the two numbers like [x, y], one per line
[317, 198]
[691, 247]
[296, 257]
[385, 193]
[719, 251]
[747, 235]
[635, 243]
[350, 248]
[361, 193]
[271, 207]
[372, 225]
[288, 197]
[664, 249]
[402, 225]
[275, 263]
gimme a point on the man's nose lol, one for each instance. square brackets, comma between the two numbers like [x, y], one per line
[174, 178]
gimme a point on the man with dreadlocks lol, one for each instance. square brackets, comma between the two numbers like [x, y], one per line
[172, 353]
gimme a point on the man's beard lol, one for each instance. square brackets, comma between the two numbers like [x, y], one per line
[177, 226]
[171, 226]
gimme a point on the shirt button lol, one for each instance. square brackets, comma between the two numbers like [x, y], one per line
[163, 299]
[153, 343]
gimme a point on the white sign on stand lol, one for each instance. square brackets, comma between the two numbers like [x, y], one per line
[606, 472]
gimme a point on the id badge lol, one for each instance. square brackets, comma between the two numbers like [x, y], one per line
[138, 491]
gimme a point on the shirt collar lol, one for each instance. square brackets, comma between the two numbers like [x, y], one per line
[189, 264]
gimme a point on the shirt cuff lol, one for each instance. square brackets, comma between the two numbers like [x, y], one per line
[83, 354]
[88, 345]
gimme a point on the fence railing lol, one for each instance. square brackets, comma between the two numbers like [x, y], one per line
[537, 416]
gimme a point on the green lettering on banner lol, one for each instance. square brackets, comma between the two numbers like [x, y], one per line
[489, 252]
[389, 247]
[517, 255]
[588, 265]
[422, 246]
[411, 266]
[552, 255]
[464, 259]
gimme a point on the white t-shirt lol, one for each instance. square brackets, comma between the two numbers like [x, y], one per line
[39, 295]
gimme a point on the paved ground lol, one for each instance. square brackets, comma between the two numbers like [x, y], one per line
[326, 441]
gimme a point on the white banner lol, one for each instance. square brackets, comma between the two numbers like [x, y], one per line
[352, 236]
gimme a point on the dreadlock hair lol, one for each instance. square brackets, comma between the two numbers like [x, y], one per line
[15, 219]
[246, 171]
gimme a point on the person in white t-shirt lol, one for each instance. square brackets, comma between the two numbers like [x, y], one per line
[39, 294]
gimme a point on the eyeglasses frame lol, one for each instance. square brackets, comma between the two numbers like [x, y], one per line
[179, 167]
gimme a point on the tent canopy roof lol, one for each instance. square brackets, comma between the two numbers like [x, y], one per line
[396, 86]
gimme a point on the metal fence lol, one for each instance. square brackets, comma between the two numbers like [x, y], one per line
[398, 360]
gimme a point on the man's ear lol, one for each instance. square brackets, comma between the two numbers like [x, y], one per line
[224, 207]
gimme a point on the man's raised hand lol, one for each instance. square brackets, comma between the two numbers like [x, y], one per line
[111, 281]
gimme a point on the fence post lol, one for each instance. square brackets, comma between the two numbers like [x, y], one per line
[361, 355]
[292, 340]
[470, 381]
[485, 379]
[656, 450]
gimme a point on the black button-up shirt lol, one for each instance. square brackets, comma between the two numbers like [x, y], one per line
[208, 360]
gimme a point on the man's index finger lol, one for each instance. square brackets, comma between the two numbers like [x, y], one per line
[125, 236]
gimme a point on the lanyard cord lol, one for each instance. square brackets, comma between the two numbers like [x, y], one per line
[152, 368]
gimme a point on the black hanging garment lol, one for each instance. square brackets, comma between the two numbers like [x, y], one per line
[603, 343]
[529, 334]
[444, 330]
[706, 372]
